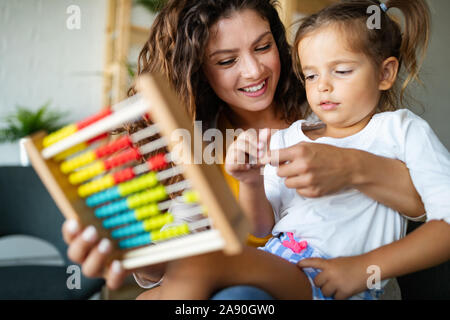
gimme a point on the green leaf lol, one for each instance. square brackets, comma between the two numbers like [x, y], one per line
[25, 122]
[152, 5]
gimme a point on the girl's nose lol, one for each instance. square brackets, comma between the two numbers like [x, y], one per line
[324, 84]
[251, 68]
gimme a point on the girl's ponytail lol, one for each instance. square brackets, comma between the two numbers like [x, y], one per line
[415, 37]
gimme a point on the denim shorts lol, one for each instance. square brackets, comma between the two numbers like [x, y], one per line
[293, 249]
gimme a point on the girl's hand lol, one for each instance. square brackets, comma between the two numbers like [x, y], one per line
[86, 249]
[314, 169]
[340, 278]
[243, 159]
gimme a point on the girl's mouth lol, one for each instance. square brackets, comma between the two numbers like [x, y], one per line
[328, 105]
[255, 90]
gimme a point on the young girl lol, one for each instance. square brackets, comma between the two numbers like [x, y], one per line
[350, 73]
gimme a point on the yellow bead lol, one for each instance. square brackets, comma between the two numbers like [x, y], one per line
[154, 195]
[148, 180]
[191, 197]
[169, 232]
[146, 212]
[96, 186]
[157, 222]
[59, 135]
[87, 173]
[75, 149]
[78, 162]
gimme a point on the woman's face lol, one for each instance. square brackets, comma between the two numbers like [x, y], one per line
[242, 62]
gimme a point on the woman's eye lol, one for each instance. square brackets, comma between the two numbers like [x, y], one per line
[266, 47]
[226, 62]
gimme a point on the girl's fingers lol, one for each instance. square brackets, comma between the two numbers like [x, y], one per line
[96, 259]
[70, 230]
[83, 244]
[328, 289]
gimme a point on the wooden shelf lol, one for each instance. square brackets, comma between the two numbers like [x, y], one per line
[120, 36]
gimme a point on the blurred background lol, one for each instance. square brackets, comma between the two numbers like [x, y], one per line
[63, 60]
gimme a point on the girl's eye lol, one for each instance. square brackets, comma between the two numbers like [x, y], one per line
[344, 72]
[266, 47]
[226, 62]
[310, 77]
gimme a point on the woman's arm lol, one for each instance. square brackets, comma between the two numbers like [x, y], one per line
[385, 180]
[315, 170]
[425, 247]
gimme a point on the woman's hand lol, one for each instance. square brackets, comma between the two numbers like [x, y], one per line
[340, 278]
[243, 158]
[91, 252]
[314, 169]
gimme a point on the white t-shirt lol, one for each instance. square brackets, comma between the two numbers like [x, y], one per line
[350, 223]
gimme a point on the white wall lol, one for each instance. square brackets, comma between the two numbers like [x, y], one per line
[41, 59]
[435, 97]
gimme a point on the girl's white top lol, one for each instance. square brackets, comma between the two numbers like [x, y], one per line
[350, 223]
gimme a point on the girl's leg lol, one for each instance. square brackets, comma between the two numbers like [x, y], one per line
[199, 277]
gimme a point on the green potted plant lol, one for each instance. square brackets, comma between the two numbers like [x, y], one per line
[24, 122]
[152, 5]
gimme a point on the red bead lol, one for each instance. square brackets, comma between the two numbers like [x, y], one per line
[113, 147]
[157, 162]
[123, 175]
[122, 158]
[90, 120]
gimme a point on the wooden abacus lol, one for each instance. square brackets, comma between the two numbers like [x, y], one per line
[126, 201]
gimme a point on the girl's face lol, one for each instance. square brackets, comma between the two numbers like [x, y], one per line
[242, 63]
[342, 86]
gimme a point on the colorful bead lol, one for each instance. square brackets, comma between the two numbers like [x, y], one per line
[87, 173]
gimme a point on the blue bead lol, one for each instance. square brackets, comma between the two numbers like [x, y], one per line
[111, 209]
[102, 197]
[135, 241]
[133, 229]
[120, 220]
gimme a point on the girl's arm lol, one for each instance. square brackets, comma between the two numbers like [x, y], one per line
[253, 201]
[315, 170]
[252, 198]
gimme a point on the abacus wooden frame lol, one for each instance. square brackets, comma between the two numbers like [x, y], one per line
[230, 226]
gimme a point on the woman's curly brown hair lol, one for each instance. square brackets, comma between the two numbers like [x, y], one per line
[176, 48]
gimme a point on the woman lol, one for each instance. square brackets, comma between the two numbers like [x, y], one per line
[237, 73]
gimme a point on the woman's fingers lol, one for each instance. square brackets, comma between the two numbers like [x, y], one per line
[115, 275]
[70, 230]
[96, 259]
[83, 244]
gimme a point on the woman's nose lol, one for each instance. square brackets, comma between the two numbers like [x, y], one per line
[252, 68]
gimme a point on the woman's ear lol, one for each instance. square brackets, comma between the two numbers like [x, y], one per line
[388, 73]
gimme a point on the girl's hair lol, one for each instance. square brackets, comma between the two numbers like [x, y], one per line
[351, 17]
[176, 48]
